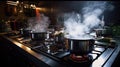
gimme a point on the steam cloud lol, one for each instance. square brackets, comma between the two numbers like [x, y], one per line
[81, 25]
[39, 23]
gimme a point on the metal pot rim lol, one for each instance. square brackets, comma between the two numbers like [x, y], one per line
[38, 32]
[99, 29]
[81, 38]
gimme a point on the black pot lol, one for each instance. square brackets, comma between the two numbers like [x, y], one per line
[80, 46]
[38, 36]
[25, 33]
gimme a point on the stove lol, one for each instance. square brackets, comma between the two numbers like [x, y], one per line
[98, 57]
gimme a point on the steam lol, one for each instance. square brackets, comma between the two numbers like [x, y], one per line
[74, 27]
[82, 25]
[39, 23]
[92, 10]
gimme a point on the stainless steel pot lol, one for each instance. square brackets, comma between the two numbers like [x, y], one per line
[25, 33]
[59, 38]
[80, 46]
[100, 32]
[38, 36]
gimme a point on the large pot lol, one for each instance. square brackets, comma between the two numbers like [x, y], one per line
[38, 36]
[80, 46]
[25, 33]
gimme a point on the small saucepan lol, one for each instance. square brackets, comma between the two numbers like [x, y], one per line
[25, 33]
[38, 36]
[100, 32]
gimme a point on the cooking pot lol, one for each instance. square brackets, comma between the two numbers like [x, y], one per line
[25, 33]
[38, 36]
[59, 38]
[80, 46]
[100, 32]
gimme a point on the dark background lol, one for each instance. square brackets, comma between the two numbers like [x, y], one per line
[56, 7]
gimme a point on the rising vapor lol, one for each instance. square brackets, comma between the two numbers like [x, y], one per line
[81, 25]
